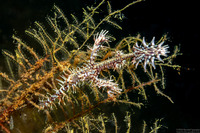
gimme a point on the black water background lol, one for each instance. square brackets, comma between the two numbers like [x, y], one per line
[178, 19]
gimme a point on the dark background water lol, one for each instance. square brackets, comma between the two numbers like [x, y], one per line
[178, 19]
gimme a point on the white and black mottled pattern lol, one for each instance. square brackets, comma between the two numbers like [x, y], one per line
[145, 53]
[149, 52]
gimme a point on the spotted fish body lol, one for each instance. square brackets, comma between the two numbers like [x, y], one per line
[145, 53]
